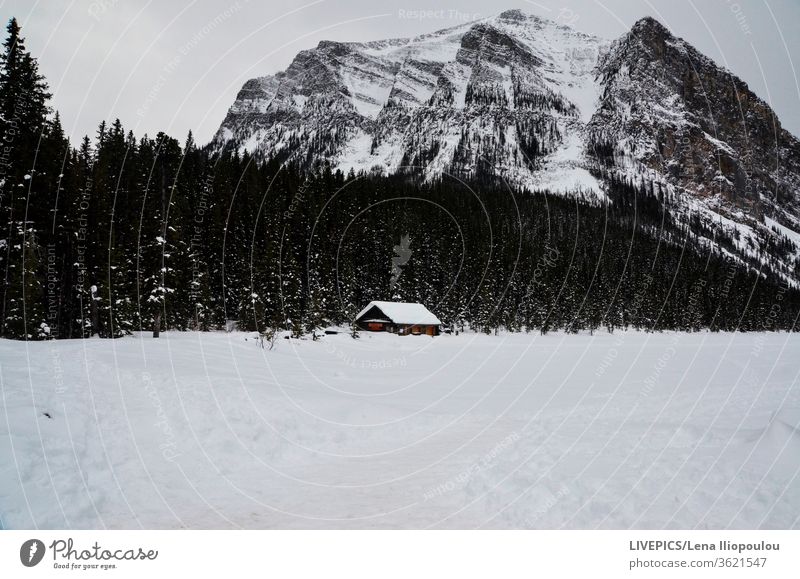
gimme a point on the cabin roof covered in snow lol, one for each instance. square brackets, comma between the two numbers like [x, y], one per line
[403, 313]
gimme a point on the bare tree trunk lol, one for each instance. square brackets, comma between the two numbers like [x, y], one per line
[157, 325]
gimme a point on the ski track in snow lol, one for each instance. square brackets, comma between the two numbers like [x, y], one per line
[209, 430]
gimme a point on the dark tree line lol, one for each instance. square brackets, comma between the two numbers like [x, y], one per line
[125, 233]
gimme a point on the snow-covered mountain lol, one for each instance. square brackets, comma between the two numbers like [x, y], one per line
[544, 107]
[504, 92]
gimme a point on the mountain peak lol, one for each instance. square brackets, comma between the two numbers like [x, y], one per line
[514, 15]
[649, 25]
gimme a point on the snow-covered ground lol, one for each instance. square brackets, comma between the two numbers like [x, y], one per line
[521, 431]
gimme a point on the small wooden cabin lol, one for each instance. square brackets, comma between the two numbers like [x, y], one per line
[398, 318]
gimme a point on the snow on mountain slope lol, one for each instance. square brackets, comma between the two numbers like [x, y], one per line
[207, 430]
[498, 95]
[542, 106]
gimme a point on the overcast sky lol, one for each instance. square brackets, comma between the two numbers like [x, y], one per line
[173, 66]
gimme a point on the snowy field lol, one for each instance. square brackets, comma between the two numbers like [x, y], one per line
[511, 431]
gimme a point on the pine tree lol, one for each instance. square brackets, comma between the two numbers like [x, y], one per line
[24, 199]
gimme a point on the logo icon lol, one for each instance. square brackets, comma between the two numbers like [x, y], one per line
[32, 552]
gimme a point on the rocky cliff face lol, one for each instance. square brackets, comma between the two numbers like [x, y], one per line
[541, 106]
[694, 124]
[508, 96]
